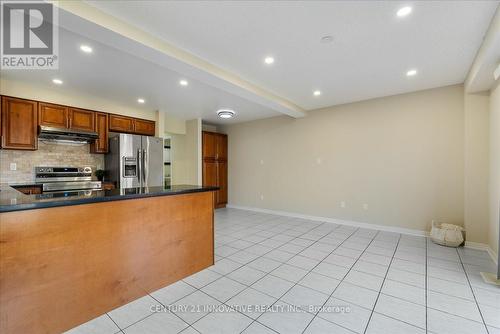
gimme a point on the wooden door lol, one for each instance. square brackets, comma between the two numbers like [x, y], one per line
[144, 127]
[80, 119]
[121, 124]
[52, 115]
[221, 147]
[209, 145]
[101, 127]
[19, 124]
[222, 184]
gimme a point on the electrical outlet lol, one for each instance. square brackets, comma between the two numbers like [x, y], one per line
[13, 166]
[365, 206]
[342, 204]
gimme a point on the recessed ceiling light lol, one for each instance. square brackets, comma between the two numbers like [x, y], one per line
[269, 60]
[403, 11]
[327, 39]
[411, 73]
[86, 48]
[183, 82]
[141, 100]
[57, 81]
[225, 113]
[317, 93]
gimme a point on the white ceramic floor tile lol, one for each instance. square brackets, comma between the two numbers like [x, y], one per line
[406, 277]
[278, 255]
[404, 291]
[99, 325]
[246, 275]
[243, 257]
[340, 260]
[320, 326]
[319, 282]
[290, 273]
[134, 311]
[273, 286]
[286, 320]
[331, 270]
[194, 306]
[257, 328]
[457, 306]
[225, 266]
[445, 323]
[450, 288]
[264, 264]
[222, 323]
[158, 323]
[371, 268]
[356, 294]
[223, 289]
[251, 302]
[491, 315]
[487, 297]
[173, 292]
[303, 262]
[380, 324]
[354, 318]
[403, 265]
[365, 280]
[307, 299]
[202, 278]
[401, 310]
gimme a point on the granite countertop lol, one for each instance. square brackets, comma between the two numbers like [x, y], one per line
[13, 200]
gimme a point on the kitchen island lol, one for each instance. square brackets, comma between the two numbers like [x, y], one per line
[66, 260]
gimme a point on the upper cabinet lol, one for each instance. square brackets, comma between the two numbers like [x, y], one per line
[221, 147]
[126, 124]
[209, 145]
[144, 127]
[80, 119]
[19, 119]
[101, 127]
[121, 123]
[52, 115]
[19, 123]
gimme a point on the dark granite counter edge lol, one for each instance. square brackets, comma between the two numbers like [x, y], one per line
[80, 201]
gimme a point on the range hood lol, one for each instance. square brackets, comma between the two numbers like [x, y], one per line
[66, 135]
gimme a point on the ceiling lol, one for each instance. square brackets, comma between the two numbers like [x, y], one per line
[115, 75]
[371, 52]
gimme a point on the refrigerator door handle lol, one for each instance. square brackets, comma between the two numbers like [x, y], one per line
[144, 167]
[139, 167]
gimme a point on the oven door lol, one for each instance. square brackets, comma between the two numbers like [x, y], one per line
[62, 186]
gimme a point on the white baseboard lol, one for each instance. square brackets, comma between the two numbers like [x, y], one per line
[395, 229]
[385, 228]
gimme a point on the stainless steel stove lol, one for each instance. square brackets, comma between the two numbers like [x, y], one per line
[55, 179]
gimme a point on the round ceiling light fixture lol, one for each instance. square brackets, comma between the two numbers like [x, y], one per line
[404, 11]
[57, 81]
[86, 48]
[269, 60]
[141, 100]
[326, 39]
[411, 73]
[317, 93]
[225, 113]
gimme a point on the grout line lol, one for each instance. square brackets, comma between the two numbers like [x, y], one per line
[382, 285]
[473, 294]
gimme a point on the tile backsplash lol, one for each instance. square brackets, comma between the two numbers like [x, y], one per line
[48, 154]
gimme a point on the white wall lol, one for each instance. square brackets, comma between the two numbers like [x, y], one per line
[403, 156]
[494, 167]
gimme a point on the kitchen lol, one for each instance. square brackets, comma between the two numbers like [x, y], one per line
[249, 167]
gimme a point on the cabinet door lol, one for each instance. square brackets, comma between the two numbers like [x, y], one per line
[210, 173]
[121, 124]
[209, 145]
[222, 183]
[101, 127]
[221, 147]
[52, 115]
[19, 124]
[80, 119]
[144, 127]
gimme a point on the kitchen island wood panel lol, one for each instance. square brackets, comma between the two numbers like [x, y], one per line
[63, 266]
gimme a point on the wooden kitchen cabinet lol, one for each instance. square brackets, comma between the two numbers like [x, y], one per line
[121, 123]
[214, 148]
[53, 115]
[80, 119]
[19, 123]
[144, 127]
[101, 127]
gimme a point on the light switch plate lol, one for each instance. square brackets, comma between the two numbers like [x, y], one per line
[13, 166]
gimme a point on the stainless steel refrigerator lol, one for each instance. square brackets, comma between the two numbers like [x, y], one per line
[134, 161]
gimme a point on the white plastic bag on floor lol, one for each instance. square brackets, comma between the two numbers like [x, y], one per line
[447, 234]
